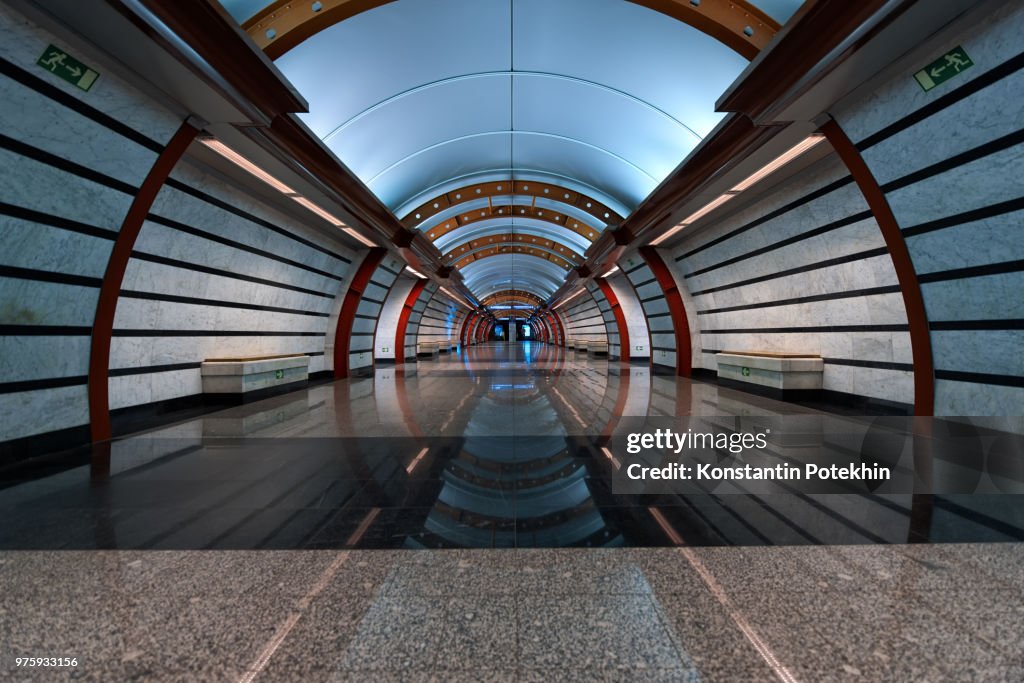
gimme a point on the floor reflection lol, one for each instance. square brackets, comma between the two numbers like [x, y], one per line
[494, 446]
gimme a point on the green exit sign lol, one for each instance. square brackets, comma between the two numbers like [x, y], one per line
[944, 68]
[278, 374]
[60, 63]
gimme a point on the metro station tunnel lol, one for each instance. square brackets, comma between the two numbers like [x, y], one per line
[492, 340]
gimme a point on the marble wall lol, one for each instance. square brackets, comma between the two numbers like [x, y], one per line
[413, 326]
[582, 318]
[387, 323]
[611, 326]
[371, 304]
[801, 268]
[441, 320]
[652, 302]
[633, 312]
[218, 274]
[950, 162]
[70, 164]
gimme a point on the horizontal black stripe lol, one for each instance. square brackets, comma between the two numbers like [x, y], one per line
[973, 271]
[575, 328]
[174, 298]
[210, 199]
[364, 317]
[870, 291]
[834, 225]
[997, 73]
[63, 164]
[990, 325]
[656, 297]
[638, 285]
[984, 212]
[210, 333]
[49, 276]
[666, 349]
[38, 384]
[396, 273]
[875, 364]
[658, 315]
[781, 211]
[150, 369]
[163, 260]
[40, 218]
[575, 321]
[47, 90]
[634, 268]
[811, 329]
[851, 258]
[371, 300]
[980, 378]
[199, 232]
[361, 334]
[45, 331]
[955, 161]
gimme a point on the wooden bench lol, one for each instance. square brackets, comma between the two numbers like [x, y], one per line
[240, 376]
[780, 371]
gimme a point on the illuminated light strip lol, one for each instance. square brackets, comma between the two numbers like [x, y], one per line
[416, 461]
[246, 165]
[415, 273]
[251, 168]
[784, 674]
[611, 272]
[766, 170]
[780, 161]
[456, 297]
[565, 301]
[263, 658]
[319, 212]
[615, 461]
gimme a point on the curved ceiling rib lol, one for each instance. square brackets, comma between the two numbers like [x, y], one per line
[511, 243]
[285, 23]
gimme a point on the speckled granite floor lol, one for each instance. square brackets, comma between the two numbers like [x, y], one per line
[859, 613]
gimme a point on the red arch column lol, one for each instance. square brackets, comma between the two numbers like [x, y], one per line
[620, 318]
[403, 319]
[349, 307]
[113, 277]
[684, 352]
[906, 275]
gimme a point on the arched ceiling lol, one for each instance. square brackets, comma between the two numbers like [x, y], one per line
[539, 122]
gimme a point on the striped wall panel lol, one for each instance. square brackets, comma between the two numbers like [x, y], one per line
[70, 165]
[659, 320]
[364, 327]
[583, 319]
[441, 321]
[804, 269]
[610, 324]
[216, 274]
[949, 162]
[412, 328]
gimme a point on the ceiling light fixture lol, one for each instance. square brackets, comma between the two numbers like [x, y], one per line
[254, 170]
[565, 301]
[614, 270]
[415, 273]
[762, 173]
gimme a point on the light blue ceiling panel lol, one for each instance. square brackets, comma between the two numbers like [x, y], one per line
[630, 48]
[609, 119]
[360, 62]
[533, 228]
[611, 174]
[463, 156]
[512, 271]
[455, 108]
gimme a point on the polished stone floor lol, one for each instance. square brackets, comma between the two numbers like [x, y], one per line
[456, 521]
